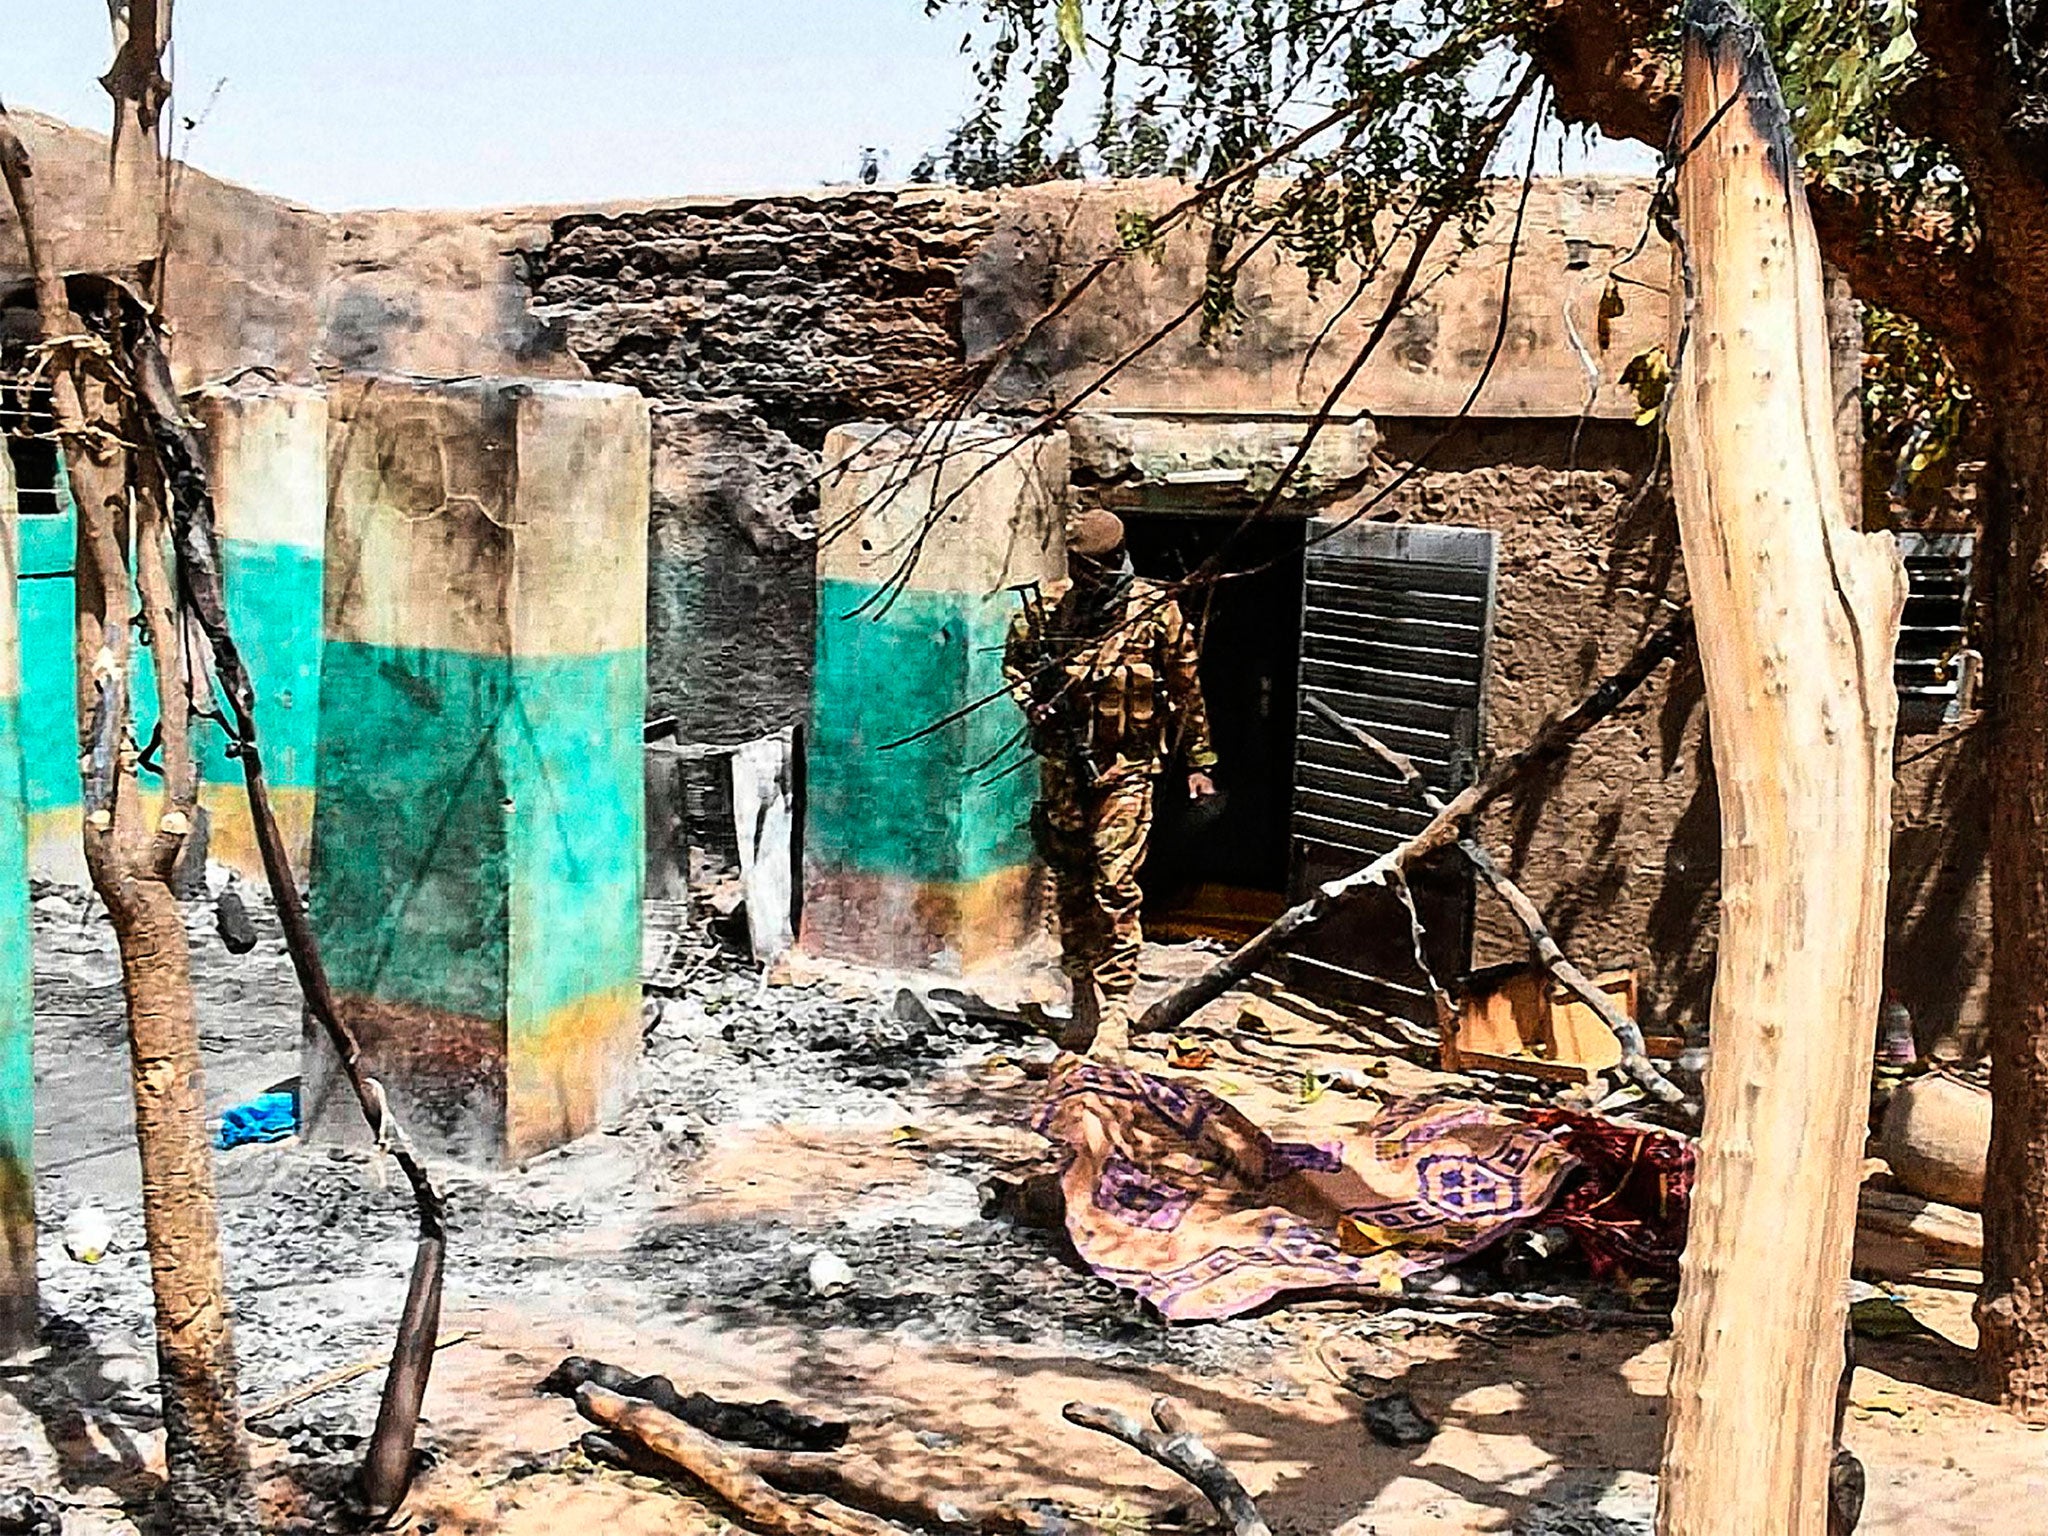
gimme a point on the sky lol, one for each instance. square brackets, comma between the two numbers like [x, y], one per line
[487, 103]
[474, 103]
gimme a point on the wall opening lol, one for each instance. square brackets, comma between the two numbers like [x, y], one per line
[1220, 870]
[29, 425]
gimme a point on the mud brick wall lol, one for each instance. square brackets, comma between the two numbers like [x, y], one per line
[267, 458]
[245, 271]
[266, 450]
[755, 326]
[916, 844]
[478, 832]
[1620, 846]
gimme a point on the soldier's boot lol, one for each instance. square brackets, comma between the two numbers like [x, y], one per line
[1085, 1023]
[1113, 1034]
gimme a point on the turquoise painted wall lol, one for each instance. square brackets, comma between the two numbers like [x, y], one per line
[49, 732]
[274, 596]
[951, 807]
[18, 1318]
[410, 826]
[458, 793]
[574, 765]
[17, 1079]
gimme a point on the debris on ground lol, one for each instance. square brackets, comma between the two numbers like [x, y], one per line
[1394, 1420]
[1177, 1448]
[775, 1124]
[268, 1117]
[769, 1426]
[1623, 1504]
[231, 921]
[87, 1234]
[23, 1513]
[1875, 1315]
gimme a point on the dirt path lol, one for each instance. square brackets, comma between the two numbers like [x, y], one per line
[776, 1121]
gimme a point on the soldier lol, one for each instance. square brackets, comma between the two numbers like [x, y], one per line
[1106, 675]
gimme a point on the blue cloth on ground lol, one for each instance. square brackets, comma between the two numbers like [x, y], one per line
[267, 1117]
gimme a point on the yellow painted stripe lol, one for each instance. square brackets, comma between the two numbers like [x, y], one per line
[570, 1071]
[231, 835]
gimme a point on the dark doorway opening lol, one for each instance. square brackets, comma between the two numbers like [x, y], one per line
[1221, 870]
[29, 426]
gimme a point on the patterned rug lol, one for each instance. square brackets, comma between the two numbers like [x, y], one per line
[1172, 1193]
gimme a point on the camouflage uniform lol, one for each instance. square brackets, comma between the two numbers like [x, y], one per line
[1134, 688]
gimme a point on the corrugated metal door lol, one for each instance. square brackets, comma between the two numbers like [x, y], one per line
[1396, 624]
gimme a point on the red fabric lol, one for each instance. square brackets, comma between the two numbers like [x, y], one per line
[1627, 1209]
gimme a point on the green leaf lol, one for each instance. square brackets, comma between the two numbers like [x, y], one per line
[1073, 28]
[1880, 1317]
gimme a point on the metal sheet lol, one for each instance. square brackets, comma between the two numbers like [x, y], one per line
[1397, 620]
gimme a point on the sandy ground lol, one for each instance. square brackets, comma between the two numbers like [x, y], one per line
[776, 1121]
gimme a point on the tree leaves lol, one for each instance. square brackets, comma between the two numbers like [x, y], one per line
[1648, 377]
[1916, 411]
[1841, 66]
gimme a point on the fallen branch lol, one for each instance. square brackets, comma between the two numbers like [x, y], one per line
[341, 1376]
[1635, 1059]
[723, 1472]
[1554, 741]
[1178, 1449]
[863, 1483]
[858, 1481]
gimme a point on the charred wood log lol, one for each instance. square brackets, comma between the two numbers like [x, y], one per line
[722, 1471]
[770, 1426]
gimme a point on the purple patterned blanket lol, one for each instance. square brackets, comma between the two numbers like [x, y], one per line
[1174, 1194]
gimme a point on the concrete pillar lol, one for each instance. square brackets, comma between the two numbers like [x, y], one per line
[17, 1079]
[267, 457]
[479, 827]
[921, 856]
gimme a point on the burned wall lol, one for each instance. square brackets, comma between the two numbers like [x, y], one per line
[438, 294]
[731, 599]
[814, 310]
[756, 325]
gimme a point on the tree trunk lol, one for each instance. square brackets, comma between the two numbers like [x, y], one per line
[136, 201]
[205, 1455]
[1797, 616]
[2012, 1312]
[131, 855]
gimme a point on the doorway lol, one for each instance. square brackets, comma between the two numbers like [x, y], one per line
[1221, 869]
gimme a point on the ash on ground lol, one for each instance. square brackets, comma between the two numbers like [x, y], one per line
[318, 1240]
